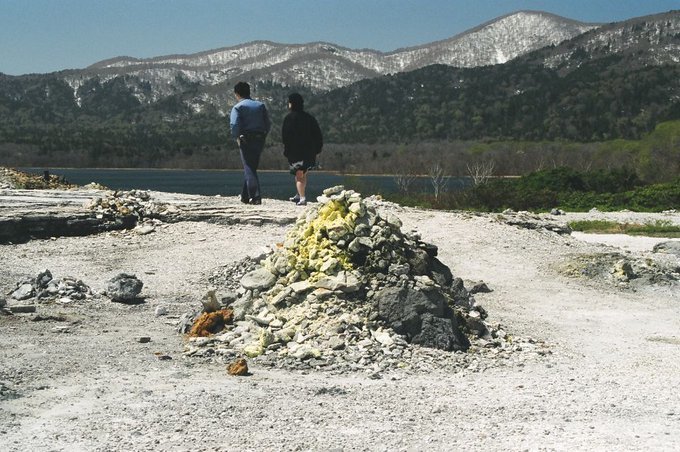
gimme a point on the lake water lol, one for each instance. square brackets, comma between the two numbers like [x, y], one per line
[274, 184]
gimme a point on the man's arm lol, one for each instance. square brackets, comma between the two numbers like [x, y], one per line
[234, 123]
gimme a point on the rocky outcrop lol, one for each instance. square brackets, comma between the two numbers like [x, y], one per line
[37, 214]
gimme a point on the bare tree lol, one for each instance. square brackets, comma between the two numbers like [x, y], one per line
[480, 172]
[404, 182]
[439, 181]
[585, 165]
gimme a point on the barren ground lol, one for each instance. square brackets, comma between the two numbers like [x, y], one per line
[82, 381]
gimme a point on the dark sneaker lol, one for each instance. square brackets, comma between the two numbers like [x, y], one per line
[295, 198]
[255, 201]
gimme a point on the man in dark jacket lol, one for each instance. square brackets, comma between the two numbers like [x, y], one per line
[302, 141]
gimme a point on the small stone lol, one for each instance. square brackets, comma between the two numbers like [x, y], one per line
[301, 286]
[43, 279]
[306, 352]
[23, 292]
[479, 287]
[238, 368]
[383, 337]
[333, 190]
[160, 311]
[253, 350]
[210, 303]
[328, 265]
[266, 338]
[262, 321]
[259, 279]
[144, 229]
[143, 339]
[61, 329]
[27, 308]
[393, 221]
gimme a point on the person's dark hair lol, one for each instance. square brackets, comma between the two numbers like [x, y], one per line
[242, 89]
[296, 102]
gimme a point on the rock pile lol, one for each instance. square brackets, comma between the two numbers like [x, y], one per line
[133, 203]
[45, 288]
[123, 287]
[347, 290]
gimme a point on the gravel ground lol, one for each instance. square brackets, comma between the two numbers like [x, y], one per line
[80, 379]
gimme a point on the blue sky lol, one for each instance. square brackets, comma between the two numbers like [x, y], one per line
[39, 36]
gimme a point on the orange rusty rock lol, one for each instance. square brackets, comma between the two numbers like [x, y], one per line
[211, 322]
[238, 368]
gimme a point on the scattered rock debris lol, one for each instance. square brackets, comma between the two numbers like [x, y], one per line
[136, 203]
[621, 270]
[44, 288]
[528, 220]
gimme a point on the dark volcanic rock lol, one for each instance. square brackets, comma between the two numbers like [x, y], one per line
[124, 288]
[423, 317]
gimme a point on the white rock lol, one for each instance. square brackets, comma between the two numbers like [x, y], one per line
[383, 337]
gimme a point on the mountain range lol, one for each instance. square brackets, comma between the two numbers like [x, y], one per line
[323, 66]
[527, 75]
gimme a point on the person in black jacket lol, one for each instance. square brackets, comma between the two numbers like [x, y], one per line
[302, 141]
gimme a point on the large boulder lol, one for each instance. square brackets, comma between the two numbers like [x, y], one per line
[124, 288]
[423, 317]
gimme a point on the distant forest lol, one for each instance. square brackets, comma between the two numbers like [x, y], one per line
[514, 118]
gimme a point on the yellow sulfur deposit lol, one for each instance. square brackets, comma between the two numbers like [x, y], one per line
[314, 248]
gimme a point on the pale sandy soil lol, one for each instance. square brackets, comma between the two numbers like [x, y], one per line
[86, 383]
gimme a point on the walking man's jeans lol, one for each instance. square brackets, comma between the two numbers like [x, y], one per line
[251, 149]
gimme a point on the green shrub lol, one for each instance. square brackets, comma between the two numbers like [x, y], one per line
[566, 189]
[660, 228]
